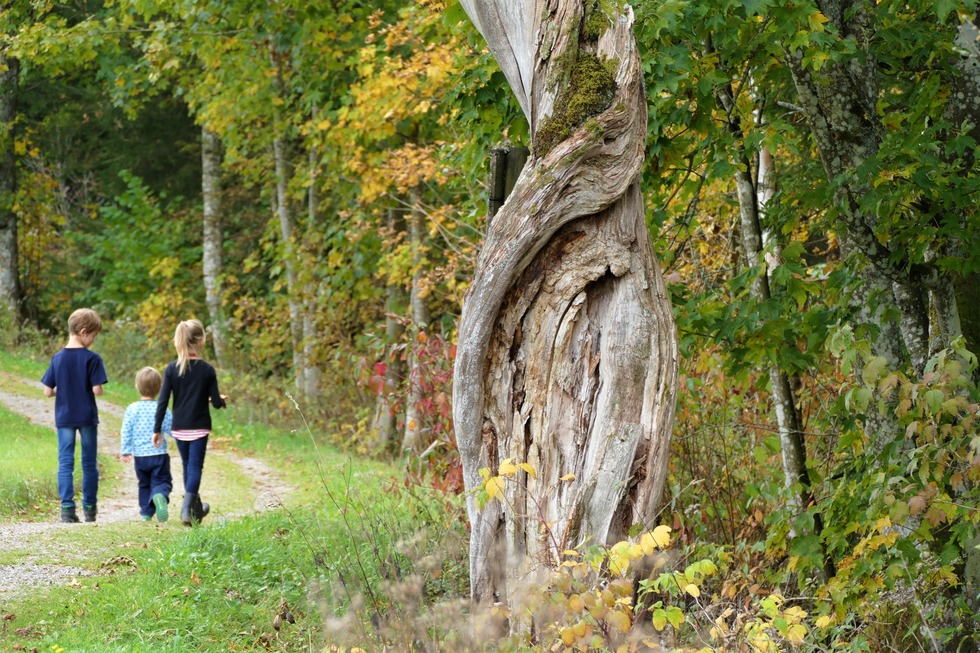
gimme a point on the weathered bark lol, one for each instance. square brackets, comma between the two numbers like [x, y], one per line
[412, 440]
[10, 299]
[213, 242]
[567, 354]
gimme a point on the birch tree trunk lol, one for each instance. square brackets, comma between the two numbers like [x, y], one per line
[213, 245]
[9, 271]
[567, 353]
[752, 198]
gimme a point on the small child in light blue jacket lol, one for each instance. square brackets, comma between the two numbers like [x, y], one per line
[152, 463]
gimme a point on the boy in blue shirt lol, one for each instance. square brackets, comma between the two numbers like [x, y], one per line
[74, 378]
[152, 463]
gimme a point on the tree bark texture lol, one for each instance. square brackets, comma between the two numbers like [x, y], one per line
[213, 245]
[840, 106]
[287, 226]
[412, 438]
[9, 270]
[567, 354]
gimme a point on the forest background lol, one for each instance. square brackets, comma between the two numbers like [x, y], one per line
[311, 179]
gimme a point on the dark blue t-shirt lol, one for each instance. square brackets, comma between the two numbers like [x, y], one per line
[72, 373]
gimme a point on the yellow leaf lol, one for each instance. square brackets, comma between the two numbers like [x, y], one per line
[619, 620]
[567, 636]
[796, 633]
[495, 486]
[661, 536]
[816, 21]
[567, 477]
[618, 563]
[795, 614]
[692, 589]
[507, 468]
[529, 469]
[824, 621]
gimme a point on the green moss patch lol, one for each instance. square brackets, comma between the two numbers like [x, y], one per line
[590, 91]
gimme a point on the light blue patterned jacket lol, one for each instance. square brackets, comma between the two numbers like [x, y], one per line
[137, 429]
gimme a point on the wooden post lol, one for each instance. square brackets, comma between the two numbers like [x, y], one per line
[506, 164]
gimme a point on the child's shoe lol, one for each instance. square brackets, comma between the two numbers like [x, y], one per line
[160, 503]
[90, 512]
[146, 517]
[68, 515]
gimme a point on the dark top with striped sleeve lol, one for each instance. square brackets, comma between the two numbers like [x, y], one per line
[191, 393]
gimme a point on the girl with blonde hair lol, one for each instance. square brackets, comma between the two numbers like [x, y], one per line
[193, 383]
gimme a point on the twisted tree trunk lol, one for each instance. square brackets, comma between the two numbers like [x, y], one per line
[567, 354]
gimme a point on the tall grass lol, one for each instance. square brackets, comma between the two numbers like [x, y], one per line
[28, 460]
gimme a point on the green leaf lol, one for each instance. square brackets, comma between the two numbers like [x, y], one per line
[659, 619]
[934, 399]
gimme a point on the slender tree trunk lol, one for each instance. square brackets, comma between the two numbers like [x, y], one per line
[213, 241]
[567, 354]
[287, 226]
[311, 377]
[752, 196]
[396, 301]
[412, 440]
[10, 299]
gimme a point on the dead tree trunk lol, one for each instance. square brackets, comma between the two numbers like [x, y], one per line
[567, 354]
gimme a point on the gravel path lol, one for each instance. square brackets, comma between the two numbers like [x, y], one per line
[267, 487]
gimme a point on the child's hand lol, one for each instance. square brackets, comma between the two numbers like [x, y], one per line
[224, 399]
[157, 439]
[126, 458]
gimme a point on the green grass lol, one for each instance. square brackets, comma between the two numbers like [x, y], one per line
[347, 533]
[28, 467]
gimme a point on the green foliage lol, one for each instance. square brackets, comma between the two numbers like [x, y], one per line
[161, 263]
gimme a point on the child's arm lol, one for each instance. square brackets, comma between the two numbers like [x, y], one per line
[218, 400]
[126, 437]
[49, 392]
[97, 390]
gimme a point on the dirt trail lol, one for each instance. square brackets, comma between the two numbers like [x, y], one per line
[268, 489]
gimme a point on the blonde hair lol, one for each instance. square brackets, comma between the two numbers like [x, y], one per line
[84, 319]
[148, 382]
[188, 339]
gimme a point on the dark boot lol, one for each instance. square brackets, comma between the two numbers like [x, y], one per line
[200, 509]
[90, 512]
[68, 515]
[185, 510]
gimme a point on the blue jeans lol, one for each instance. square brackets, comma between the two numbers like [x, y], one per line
[152, 477]
[89, 435]
[192, 455]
